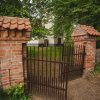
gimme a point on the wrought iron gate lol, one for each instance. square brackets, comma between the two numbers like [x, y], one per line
[46, 70]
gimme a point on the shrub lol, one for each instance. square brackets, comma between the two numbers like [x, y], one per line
[17, 93]
[97, 68]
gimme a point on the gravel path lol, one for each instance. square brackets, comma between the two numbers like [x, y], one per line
[82, 89]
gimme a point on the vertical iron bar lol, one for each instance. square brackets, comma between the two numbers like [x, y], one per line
[46, 71]
[67, 69]
[42, 69]
[34, 79]
[30, 69]
[83, 58]
[54, 64]
[28, 81]
[9, 77]
[34, 61]
[50, 62]
[38, 68]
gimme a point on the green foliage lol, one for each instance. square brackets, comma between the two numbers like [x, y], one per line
[17, 93]
[38, 31]
[14, 93]
[10, 8]
[36, 10]
[97, 68]
[70, 12]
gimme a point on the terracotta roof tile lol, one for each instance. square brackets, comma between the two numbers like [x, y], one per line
[27, 23]
[27, 27]
[21, 21]
[6, 20]
[90, 30]
[0, 23]
[21, 26]
[15, 23]
[7, 25]
[1, 19]
[13, 26]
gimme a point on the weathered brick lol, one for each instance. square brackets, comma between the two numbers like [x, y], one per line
[11, 56]
[81, 37]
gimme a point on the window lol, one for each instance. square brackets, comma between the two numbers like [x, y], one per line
[46, 42]
[59, 40]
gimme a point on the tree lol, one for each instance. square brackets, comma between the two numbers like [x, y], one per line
[40, 11]
[10, 8]
[36, 10]
[69, 12]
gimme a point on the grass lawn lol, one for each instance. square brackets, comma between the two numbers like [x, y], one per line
[49, 52]
[97, 68]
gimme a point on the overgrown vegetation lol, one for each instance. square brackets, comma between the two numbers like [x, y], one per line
[97, 68]
[14, 93]
[70, 12]
[63, 13]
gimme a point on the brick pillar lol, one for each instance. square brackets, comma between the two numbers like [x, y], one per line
[90, 49]
[86, 35]
[11, 63]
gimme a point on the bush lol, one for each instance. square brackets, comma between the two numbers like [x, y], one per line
[14, 93]
[97, 68]
[17, 93]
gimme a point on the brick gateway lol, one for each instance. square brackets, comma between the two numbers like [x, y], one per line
[48, 69]
[15, 31]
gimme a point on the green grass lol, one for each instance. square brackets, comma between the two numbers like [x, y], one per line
[97, 68]
[54, 53]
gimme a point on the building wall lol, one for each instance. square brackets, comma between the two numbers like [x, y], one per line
[51, 39]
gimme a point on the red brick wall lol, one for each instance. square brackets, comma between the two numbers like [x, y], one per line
[11, 58]
[13, 33]
[86, 35]
[90, 48]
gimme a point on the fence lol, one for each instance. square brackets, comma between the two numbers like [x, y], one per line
[48, 69]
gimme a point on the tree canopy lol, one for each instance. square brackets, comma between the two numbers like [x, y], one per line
[36, 10]
[70, 12]
[66, 13]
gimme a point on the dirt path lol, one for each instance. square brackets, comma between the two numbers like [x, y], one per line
[83, 89]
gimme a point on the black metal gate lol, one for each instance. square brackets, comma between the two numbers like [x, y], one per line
[46, 70]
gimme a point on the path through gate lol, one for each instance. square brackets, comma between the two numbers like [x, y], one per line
[48, 69]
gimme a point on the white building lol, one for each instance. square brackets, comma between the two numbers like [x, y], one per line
[49, 39]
